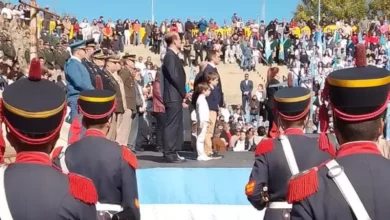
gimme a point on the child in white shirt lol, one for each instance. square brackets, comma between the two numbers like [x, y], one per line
[203, 119]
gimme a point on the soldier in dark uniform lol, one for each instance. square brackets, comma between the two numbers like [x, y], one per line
[8, 49]
[277, 159]
[111, 167]
[98, 63]
[90, 51]
[33, 110]
[354, 185]
[48, 55]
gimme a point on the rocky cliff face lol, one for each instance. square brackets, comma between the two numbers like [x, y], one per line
[19, 33]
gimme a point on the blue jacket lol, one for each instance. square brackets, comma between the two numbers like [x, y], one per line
[202, 25]
[213, 100]
[77, 79]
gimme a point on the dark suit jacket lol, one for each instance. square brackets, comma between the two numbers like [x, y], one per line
[129, 85]
[218, 89]
[270, 93]
[174, 78]
[246, 88]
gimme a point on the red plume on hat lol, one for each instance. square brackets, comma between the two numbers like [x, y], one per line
[99, 82]
[361, 60]
[35, 73]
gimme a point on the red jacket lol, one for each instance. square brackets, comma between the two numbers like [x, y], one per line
[158, 104]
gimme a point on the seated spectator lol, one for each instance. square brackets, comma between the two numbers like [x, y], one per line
[242, 144]
[219, 144]
[225, 134]
[235, 135]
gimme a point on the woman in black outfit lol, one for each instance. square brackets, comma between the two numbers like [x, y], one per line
[272, 79]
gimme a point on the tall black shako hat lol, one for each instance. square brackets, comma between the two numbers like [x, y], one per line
[292, 103]
[93, 104]
[97, 103]
[354, 94]
[33, 109]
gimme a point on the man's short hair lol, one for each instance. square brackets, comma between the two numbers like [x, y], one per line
[211, 76]
[201, 87]
[212, 54]
[170, 37]
[358, 131]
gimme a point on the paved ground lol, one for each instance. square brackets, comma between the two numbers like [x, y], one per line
[230, 160]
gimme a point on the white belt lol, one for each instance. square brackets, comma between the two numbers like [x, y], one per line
[289, 154]
[5, 213]
[336, 172]
[61, 157]
[279, 205]
[108, 207]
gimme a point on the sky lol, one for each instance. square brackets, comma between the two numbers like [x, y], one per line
[167, 9]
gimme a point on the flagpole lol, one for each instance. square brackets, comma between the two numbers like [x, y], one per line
[263, 10]
[153, 11]
[319, 11]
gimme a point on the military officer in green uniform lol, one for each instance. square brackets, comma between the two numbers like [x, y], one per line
[61, 55]
[8, 49]
[48, 55]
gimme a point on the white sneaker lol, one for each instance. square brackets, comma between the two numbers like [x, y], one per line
[204, 158]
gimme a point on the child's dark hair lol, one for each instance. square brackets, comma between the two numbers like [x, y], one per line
[211, 76]
[201, 87]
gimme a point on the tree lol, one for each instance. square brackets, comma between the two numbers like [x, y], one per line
[379, 8]
[332, 9]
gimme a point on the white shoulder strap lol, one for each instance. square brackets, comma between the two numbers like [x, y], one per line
[336, 172]
[289, 154]
[5, 213]
[64, 168]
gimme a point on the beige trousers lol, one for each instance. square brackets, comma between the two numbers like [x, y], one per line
[208, 147]
[123, 126]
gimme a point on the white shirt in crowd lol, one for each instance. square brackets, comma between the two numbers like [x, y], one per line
[239, 146]
[202, 109]
[226, 114]
[140, 65]
[8, 12]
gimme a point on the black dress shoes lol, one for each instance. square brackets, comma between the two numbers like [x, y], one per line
[173, 159]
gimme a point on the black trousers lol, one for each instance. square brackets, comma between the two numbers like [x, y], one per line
[160, 124]
[173, 130]
[270, 114]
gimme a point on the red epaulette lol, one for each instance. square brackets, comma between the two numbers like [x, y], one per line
[56, 152]
[82, 188]
[302, 185]
[129, 157]
[265, 146]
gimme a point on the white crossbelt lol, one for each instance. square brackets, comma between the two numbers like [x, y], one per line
[279, 205]
[5, 213]
[61, 156]
[336, 172]
[289, 154]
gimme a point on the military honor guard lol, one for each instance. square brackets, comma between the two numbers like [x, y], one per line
[77, 76]
[354, 185]
[111, 167]
[33, 110]
[277, 159]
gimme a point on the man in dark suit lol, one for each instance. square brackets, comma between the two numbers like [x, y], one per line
[173, 96]
[214, 58]
[246, 87]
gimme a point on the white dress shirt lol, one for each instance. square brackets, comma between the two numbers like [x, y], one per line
[202, 109]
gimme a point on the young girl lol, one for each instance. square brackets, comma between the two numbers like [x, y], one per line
[203, 119]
